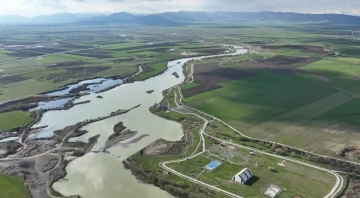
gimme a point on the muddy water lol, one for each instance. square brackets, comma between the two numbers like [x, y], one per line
[103, 175]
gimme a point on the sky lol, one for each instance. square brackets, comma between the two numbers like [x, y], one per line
[44, 7]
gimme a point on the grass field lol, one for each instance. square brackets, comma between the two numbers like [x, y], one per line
[157, 68]
[296, 179]
[311, 107]
[14, 119]
[97, 55]
[11, 187]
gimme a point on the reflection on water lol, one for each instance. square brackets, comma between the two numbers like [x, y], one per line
[102, 174]
[52, 104]
[72, 86]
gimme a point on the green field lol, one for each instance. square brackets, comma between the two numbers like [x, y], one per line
[157, 68]
[14, 119]
[296, 179]
[11, 187]
[310, 106]
[79, 53]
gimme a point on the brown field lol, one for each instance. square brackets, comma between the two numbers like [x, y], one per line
[280, 61]
[46, 50]
[68, 64]
[143, 47]
[93, 53]
[88, 69]
[162, 49]
[23, 53]
[124, 60]
[210, 75]
[12, 79]
[212, 51]
[310, 49]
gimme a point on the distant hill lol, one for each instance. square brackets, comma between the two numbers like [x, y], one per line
[46, 19]
[183, 17]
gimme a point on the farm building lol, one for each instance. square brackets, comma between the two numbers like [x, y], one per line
[243, 176]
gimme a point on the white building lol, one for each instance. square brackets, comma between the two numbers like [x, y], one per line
[243, 176]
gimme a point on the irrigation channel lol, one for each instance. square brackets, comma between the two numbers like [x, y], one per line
[98, 174]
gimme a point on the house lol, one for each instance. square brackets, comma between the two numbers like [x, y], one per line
[161, 106]
[243, 176]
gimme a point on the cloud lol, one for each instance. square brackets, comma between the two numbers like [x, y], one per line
[38, 7]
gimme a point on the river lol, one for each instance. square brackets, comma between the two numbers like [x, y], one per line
[102, 175]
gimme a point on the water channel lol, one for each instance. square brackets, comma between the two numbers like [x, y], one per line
[102, 175]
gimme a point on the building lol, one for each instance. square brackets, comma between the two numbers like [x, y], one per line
[243, 176]
[273, 190]
[162, 106]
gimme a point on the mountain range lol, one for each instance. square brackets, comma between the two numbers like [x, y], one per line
[180, 18]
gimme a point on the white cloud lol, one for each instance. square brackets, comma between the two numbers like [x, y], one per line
[39, 7]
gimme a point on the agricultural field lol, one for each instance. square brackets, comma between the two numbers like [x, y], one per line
[274, 104]
[289, 91]
[42, 59]
[11, 187]
[14, 119]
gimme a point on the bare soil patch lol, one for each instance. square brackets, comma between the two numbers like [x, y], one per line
[12, 79]
[210, 75]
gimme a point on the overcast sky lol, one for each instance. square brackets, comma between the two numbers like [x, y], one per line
[41, 7]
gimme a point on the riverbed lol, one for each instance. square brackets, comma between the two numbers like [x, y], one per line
[103, 175]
